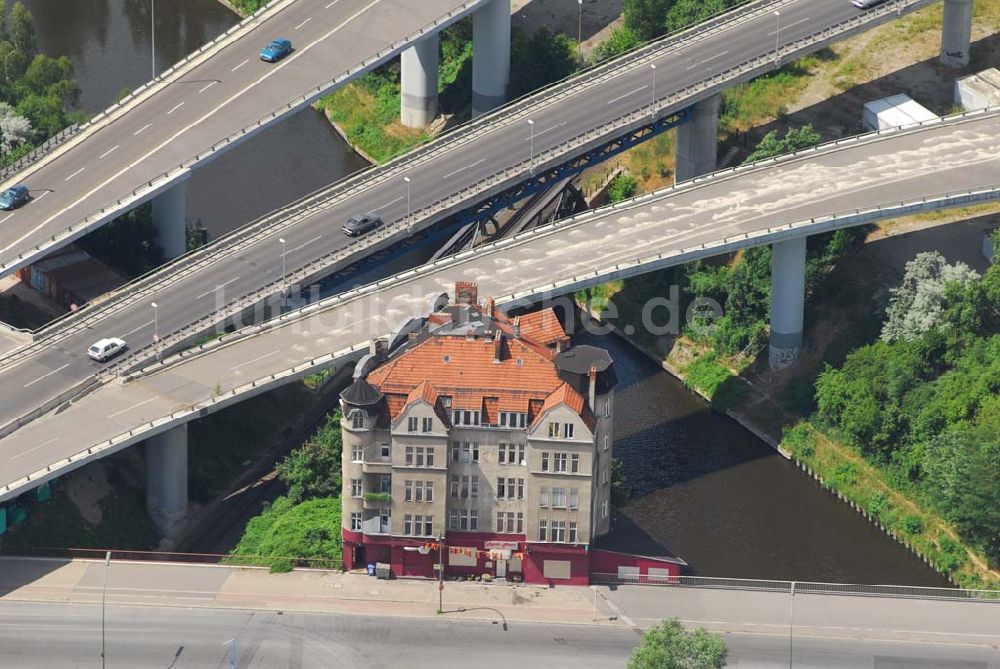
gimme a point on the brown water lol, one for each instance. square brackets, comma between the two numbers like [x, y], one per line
[108, 42]
[712, 493]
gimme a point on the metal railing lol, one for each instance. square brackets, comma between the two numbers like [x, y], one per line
[800, 587]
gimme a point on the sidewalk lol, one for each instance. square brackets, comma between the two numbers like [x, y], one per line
[221, 586]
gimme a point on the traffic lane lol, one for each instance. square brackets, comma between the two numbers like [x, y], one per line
[172, 114]
[52, 636]
[433, 182]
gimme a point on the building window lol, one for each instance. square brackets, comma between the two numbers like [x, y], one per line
[572, 531]
[357, 453]
[408, 491]
[418, 525]
[465, 417]
[411, 424]
[465, 487]
[356, 490]
[511, 454]
[520, 488]
[559, 462]
[574, 498]
[453, 519]
[407, 524]
[428, 525]
[428, 491]
[558, 531]
[541, 530]
[574, 463]
[502, 453]
[568, 430]
[607, 408]
[385, 451]
[605, 442]
[604, 476]
[559, 498]
[409, 456]
[385, 482]
[463, 519]
[428, 424]
[454, 485]
[474, 489]
[604, 509]
[465, 451]
[513, 420]
[430, 456]
[553, 430]
[355, 521]
[520, 522]
[419, 456]
[501, 488]
[357, 420]
[543, 497]
[545, 461]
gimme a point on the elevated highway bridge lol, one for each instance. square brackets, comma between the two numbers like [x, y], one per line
[948, 163]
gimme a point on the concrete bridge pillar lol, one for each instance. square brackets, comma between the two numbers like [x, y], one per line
[419, 73]
[170, 221]
[490, 57]
[956, 33]
[698, 140]
[167, 478]
[788, 295]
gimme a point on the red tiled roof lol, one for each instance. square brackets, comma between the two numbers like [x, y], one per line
[566, 394]
[543, 327]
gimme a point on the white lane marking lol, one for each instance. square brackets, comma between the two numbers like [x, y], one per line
[705, 60]
[6, 217]
[175, 108]
[110, 151]
[462, 169]
[390, 202]
[74, 174]
[271, 71]
[134, 406]
[34, 448]
[629, 94]
[45, 376]
[783, 27]
[146, 324]
[41, 196]
[303, 23]
[142, 129]
[302, 246]
[221, 285]
[240, 65]
[207, 86]
[549, 129]
[257, 359]
[331, 4]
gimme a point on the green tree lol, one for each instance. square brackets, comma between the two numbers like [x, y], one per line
[622, 187]
[621, 490]
[21, 28]
[919, 303]
[684, 13]
[287, 530]
[772, 145]
[621, 40]
[313, 470]
[670, 646]
[645, 18]
[539, 60]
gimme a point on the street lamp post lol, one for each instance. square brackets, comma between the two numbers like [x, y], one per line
[440, 575]
[156, 327]
[152, 32]
[531, 147]
[232, 652]
[791, 622]
[281, 240]
[579, 32]
[408, 224]
[104, 597]
[652, 113]
[777, 34]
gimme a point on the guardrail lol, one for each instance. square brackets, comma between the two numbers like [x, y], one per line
[483, 188]
[798, 587]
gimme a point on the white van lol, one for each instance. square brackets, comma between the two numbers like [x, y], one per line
[106, 349]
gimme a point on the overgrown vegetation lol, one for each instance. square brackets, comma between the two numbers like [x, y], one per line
[37, 92]
[303, 526]
[922, 403]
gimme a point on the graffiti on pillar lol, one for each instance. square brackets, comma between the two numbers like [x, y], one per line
[960, 55]
[780, 358]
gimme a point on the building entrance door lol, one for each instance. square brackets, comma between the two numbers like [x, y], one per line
[501, 569]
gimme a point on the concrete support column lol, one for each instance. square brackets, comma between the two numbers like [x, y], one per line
[490, 57]
[956, 33]
[170, 222]
[788, 295]
[698, 140]
[419, 73]
[167, 478]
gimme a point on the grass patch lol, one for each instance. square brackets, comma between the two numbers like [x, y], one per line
[706, 374]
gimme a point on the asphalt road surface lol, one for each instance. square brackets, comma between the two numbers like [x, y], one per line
[55, 368]
[57, 636]
[959, 155]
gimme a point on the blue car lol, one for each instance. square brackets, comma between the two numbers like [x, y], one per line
[14, 197]
[276, 50]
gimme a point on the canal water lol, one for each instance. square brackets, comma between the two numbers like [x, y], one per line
[108, 42]
[706, 489]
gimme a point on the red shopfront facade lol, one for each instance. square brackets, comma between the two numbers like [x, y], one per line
[500, 555]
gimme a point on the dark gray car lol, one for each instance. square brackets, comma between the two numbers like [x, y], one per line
[14, 197]
[359, 225]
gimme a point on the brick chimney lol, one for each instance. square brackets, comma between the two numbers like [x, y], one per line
[491, 308]
[466, 292]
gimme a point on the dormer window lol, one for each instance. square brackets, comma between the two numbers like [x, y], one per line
[358, 420]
